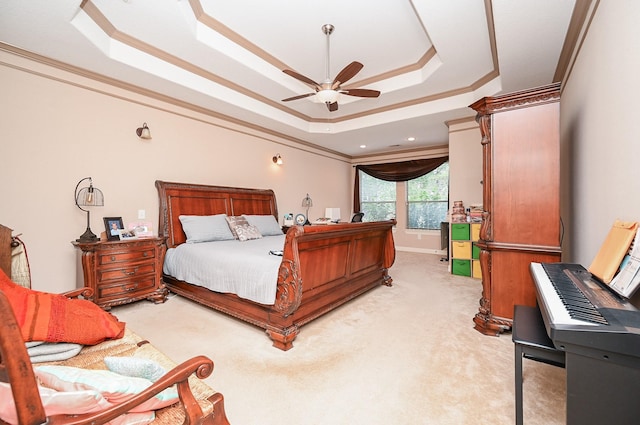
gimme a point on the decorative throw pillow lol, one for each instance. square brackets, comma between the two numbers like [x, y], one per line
[113, 387]
[235, 221]
[43, 316]
[248, 232]
[266, 224]
[206, 228]
[242, 230]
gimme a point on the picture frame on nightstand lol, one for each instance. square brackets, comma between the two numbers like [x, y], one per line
[142, 229]
[113, 226]
[127, 234]
[288, 219]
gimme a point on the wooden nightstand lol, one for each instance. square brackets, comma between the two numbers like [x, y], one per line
[121, 272]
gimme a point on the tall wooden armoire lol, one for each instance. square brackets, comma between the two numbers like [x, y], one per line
[521, 195]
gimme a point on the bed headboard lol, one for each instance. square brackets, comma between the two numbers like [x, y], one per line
[5, 249]
[178, 199]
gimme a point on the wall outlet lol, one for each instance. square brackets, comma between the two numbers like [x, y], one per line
[142, 214]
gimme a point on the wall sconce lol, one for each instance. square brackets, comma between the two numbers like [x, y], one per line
[144, 132]
[277, 159]
[88, 197]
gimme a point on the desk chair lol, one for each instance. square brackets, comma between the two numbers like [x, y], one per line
[531, 342]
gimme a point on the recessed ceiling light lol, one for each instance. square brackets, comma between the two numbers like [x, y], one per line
[363, 146]
[411, 139]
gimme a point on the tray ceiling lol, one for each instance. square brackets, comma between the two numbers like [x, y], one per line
[429, 58]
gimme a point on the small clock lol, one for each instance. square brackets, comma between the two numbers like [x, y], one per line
[301, 219]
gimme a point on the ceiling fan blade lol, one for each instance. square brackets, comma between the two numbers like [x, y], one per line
[347, 73]
[361, 92]
[302, 78]
[301, 96]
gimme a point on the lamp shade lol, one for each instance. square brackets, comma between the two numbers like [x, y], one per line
[88, 196]
[307, 201]
[332, 213]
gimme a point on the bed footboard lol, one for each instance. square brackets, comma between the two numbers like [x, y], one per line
[324, 267]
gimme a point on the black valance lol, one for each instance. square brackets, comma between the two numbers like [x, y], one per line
[395, 172]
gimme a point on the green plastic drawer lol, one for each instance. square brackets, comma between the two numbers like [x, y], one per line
[461, 267]
[475, 252]
[460, 231]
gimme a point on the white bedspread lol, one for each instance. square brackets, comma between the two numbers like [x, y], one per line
[242, 268]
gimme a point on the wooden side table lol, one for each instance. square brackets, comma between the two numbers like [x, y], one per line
[120, 272]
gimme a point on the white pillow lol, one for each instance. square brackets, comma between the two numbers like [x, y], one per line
[206, 228]
[266, 224]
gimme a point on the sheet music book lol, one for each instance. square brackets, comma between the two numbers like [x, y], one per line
[628, 280]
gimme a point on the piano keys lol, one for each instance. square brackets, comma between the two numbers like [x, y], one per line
[599, 331]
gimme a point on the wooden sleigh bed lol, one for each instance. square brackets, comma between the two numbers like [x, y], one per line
[322, 266]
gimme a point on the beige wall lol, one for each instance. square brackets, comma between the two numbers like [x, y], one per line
[56, 128]
[465, 163]
[600, 131]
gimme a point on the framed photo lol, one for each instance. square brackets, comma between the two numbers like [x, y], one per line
[288, 219]
[142, 229]
[127, 234]
[113, 226]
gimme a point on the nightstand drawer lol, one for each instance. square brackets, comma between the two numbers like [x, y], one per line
[128, 271]
[123, 256]
[121, 272]
[128, 287]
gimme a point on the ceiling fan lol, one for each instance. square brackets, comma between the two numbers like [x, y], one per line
[328, 92]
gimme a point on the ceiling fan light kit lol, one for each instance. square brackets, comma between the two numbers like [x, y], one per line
[328, 96]
[329, 91]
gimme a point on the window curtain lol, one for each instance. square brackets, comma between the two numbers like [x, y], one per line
[395, 172]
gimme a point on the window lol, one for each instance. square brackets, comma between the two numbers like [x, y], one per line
[377, 198]
[416, 202]
[428, 199]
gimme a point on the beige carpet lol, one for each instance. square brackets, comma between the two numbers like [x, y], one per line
[401, 355]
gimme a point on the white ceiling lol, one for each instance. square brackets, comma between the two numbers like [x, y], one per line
[429, 58]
